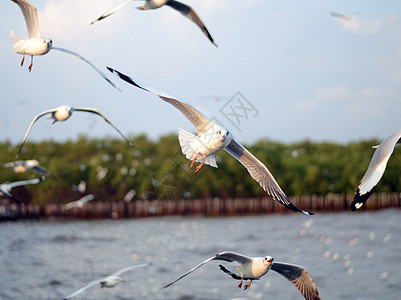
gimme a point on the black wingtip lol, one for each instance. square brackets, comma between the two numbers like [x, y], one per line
[126, 78]
[359, 200]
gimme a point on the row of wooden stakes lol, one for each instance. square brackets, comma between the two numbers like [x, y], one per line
[212, 207]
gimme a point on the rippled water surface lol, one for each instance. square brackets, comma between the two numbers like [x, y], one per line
[349, 256]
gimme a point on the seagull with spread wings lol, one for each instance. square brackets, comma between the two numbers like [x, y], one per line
[211, 139]
[375, 170]
[35, 44]
[253, 268]
[21, 166]
[62, 113]
[184, 9]
[6, 188]
[108, 281]
[80, 202]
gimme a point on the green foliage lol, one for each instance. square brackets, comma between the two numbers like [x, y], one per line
[158, 169]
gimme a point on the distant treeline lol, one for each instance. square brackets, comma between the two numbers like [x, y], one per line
[158, 170]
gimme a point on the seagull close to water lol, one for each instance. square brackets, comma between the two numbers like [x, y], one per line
[211, 139]
[108, 281]
[253, 268]
[62, 113]
[153, 4]
[35, 44]
[375, 170]
[6, 188]
[20, 166]
[80, 202]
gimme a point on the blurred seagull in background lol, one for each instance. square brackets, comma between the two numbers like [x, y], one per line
[35, 44]
[109, 281]
[253, 268]
[20, 166]
[62, 113]
[6, 188]
[346, 18]
[375, 170]
[153, 4]
[211, 139]
[80, 202]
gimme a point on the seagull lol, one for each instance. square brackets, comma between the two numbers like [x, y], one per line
[35, 44]
[80, 202]
[346, 18]
[20, 166]
[211, 139]
[185, 10]
[6, 188]
[375, 170]
[253, 268]
[108, 281]
[62, 113]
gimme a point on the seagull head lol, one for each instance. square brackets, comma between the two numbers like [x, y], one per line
[268, 260]
[49, 44]
[223, 133]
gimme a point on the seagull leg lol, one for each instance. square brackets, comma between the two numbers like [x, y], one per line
[242, 278]
[193, 162]
[23, 59]
[30, 66]
[200, 166]
[248, 285]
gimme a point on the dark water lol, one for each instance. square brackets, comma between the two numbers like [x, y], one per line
[349, 256]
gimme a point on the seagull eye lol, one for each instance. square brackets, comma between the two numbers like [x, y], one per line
[219, 132]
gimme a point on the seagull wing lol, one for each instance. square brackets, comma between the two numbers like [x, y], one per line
[71, 204]
[112, 11]
[41, 170]
[86, 198]
[261, 174]
[89, 63]
[30, 126]
[299, 277]
[95, 111]
[31, 18]
[26, 182]
[201, 123]
[118, 273]
[226, 256]
[375, 170]
[10, 164]
[92, 283]
[192, 15]
[7, 194]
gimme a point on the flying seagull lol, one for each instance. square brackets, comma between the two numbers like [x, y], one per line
[62, 113]
[35, 44]
[253, 268]
[80, 202]
[185, 10]
[6, 188]
[375, 170]
[211, 139]
[20, 166]
[108, 281]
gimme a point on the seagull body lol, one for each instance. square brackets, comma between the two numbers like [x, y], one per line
[6, 188]
[36, 44]
[184, 9]
[80, 202]
[63, 113]
[212, 138]
[253, 268]
[375, 170]
[108, 281]
[21, 166]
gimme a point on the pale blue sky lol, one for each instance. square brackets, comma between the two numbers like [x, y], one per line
[308, 74]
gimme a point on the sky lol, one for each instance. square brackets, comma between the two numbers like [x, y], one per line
[283, 70]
